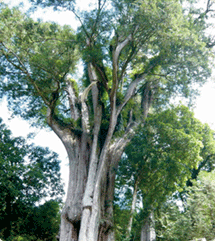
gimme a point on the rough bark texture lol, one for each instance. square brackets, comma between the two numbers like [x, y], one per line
[88, 211]
[98, 215]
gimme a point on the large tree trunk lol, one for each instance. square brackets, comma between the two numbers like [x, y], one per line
[88, 211]
[94, 222]
[71, 214]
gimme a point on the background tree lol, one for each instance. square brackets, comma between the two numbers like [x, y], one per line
[135, 53]
[38, 223]
[158, 161]
[28, 174]
[197, 219]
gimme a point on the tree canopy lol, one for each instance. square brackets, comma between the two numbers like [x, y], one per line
[165, 153]
[158, 44]
[136, 55]
[196, 220]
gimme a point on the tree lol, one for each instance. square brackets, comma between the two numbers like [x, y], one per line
[28, 174]
[135, 53]
[207, 154]
[39, 222]
[161, 158]
[197, 219]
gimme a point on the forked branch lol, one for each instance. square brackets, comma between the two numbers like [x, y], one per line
[207, 10]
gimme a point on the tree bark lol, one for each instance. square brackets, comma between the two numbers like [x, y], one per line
[88, 211]
[148, 230]
[71, 214]
[96, 219]
[133, 206]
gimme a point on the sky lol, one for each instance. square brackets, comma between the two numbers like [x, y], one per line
[204, 110]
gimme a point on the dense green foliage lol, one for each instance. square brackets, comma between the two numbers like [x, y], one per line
[195, 219]
[37, 57]
[35, 223]
[163, 155]
[28, 174]
[137, 55]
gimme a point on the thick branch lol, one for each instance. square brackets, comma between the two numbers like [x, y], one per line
[119, 48]
[147, 98]
[116, 54]
[73, 100]
[117, 147]
[130, 92]
[85, 117]
[93, 77]
[88, 195]
[61, 132]
[102, 74]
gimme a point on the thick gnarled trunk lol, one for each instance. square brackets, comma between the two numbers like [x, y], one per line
[93, 222]
[72, 211]
[88, 211]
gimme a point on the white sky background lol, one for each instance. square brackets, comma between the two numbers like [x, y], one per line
[204, 111]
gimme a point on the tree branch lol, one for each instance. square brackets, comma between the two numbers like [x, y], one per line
[23, 70]
[132, 53]
[115, 59]
[93, 77]
[207, 10]
[73, 100]
[147, 98]
[101, 71]
[130, 91]
[88, 194]
[100, 7]
[117, 148]
[85, 117]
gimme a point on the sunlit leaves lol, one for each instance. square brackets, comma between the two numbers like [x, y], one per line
[36, 58]
[196, 219]
[165, 43]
